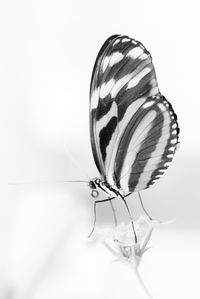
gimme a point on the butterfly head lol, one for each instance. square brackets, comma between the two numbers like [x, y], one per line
[94, 185]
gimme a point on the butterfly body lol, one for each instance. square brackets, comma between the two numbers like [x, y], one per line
[133, 128]
[110, 191]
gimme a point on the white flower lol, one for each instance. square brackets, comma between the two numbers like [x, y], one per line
[121, 241]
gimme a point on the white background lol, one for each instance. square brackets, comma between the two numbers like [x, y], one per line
[47, 52]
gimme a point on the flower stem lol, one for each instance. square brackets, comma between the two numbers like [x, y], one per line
[142, 283]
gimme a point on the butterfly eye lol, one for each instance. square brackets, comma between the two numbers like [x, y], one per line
[94, 193]
[92, 185]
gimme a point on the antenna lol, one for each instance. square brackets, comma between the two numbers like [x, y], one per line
[46, 182]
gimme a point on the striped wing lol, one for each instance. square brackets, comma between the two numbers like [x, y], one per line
[133, 128]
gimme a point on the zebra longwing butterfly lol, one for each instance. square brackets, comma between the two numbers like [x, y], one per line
[133, 128]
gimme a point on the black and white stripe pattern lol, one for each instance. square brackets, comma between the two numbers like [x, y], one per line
[133, 128]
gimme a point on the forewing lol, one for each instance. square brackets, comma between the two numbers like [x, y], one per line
[96, 105]
[122, 80]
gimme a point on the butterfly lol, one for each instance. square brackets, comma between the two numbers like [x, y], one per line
[133, 128]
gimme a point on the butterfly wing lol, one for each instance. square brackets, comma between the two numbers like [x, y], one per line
[148, 145]
[130, 122]
[97, 107]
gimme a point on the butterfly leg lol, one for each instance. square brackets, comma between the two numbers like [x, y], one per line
[95, 214]
[142, 205]
[135, 236]
[114, 213]
[95, 217]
